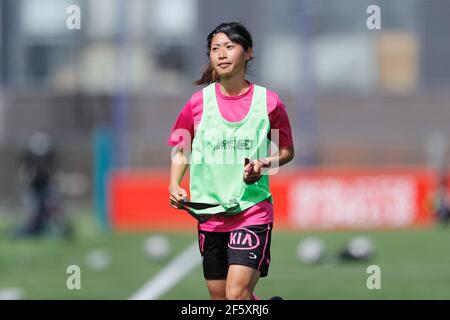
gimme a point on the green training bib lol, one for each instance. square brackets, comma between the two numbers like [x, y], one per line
[219, 150]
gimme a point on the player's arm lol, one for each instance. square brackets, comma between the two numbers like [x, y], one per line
[180, 141]
[279, 120]
[284, 156]
[178, 168]
[253, 170]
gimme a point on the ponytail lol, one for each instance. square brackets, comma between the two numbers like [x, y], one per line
[209, 75]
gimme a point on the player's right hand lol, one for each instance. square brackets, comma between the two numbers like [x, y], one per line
[177, 195]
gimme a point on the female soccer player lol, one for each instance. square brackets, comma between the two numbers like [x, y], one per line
[230, 120]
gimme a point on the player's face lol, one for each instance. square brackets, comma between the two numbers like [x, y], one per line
[227, 58]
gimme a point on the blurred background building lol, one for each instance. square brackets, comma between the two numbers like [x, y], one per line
[355, 96]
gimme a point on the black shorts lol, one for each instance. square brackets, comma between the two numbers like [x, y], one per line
[248, 246]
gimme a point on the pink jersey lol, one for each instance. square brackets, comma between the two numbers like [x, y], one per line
[234, 109]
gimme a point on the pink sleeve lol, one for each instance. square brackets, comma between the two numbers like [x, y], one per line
[279, 119]
[183, 128]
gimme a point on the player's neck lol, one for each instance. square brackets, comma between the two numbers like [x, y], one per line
[234, 85]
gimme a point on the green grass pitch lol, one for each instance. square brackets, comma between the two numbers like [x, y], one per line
[415, 264]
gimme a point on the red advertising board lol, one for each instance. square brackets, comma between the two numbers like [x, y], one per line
[319, 199]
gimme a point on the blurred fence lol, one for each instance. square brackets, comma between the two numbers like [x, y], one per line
[351, 130]
[354, 96]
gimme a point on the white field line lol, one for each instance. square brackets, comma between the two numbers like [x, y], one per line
[168, 277]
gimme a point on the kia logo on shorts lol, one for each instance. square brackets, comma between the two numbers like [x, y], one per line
[243, 239]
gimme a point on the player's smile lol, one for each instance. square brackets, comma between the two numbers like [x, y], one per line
[224, 65]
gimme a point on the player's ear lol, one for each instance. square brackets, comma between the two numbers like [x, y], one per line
[249, 54]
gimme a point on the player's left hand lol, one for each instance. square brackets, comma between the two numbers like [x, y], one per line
[252, 171]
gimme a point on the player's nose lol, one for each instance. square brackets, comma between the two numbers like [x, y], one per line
[222, 54]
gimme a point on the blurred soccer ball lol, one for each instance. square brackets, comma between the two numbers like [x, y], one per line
[361, 247]
[157, 247]
[98, 259]
[311, 250]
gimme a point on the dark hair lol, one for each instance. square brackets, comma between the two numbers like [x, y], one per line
[237, 33]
